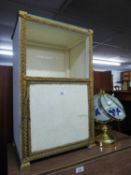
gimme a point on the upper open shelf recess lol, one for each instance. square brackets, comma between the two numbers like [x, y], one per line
[53, 36]
[55, 49]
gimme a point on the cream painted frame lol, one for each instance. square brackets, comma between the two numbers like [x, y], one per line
[25, 127]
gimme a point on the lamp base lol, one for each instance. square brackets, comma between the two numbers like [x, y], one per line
[105, 138]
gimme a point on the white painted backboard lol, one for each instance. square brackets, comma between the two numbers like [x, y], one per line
[58, 115]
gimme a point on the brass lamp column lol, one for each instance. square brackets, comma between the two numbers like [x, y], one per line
[105, 137]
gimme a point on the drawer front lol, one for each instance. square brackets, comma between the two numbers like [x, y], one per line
[118, 163]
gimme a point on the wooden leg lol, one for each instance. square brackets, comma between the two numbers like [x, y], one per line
[25, 165]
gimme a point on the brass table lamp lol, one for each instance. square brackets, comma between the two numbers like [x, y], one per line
[107, 108]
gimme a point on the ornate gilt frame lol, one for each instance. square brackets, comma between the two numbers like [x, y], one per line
[67, 147]
[27, 156]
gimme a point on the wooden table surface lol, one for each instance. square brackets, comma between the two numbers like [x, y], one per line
[70, 160]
